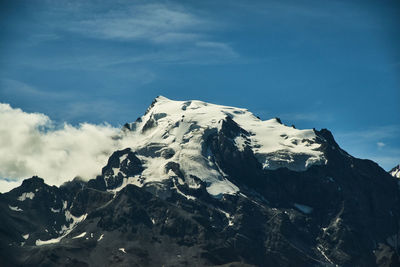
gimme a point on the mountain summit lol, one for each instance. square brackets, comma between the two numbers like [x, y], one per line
[182, 133]
[204, 185]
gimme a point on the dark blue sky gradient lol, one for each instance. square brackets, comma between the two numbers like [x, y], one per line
[323, 64]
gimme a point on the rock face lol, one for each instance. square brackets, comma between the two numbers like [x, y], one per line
[207, 185]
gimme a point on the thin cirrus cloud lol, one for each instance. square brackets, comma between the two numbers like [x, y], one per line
[387, 131]
[182, 36]
[152, 22]
[14, 87]
[30, 144]
[150, 33]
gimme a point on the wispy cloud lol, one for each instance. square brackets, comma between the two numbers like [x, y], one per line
[218, 47]
[131, 33]
[176, 33]
[302, 116]
[39, 38]
[14, 87]
[310, 118]
[381, 132]
[380, 144]
[101, 109]
[140, 69]
[150, 22]
[349, 15]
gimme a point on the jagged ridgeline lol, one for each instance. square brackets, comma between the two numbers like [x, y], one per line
[200, 184]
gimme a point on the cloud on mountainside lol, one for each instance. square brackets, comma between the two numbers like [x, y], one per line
[30, 144]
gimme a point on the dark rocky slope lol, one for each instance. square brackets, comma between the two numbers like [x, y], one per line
[342, 213]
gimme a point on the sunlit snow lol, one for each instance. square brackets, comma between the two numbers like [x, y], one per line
[79, 236]
[396, 172]
[182, 127]
[14, 208]
[24, 196]
[101, 237]
[64, 230]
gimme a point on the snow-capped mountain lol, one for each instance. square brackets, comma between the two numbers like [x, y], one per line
[395, 172]
[179, 132]
[200, 184]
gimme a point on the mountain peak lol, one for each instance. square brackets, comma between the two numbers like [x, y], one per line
[162, 98]
[181, 133]
[33, 182]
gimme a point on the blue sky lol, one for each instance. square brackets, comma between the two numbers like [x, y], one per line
[315, 64]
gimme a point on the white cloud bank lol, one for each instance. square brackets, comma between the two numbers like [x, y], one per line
[30, 145]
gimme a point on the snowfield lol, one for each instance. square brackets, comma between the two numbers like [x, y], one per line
[176, 131]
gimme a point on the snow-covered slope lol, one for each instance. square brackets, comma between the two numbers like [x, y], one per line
[177, 130]
[395, 172]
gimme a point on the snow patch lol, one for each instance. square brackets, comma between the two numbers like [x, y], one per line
[25, 236]
[24, 196]
[218, 188]
[240, 143]
[47, 242]
[122, 250]
[79, 236]
[123, 157]
[395, 172]
[136, 180]
[321, 250]
[228, 216]
[64, 230]
[188, 197]
[101, 237]
[115, 171]
[14, 208]
[55, 210]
